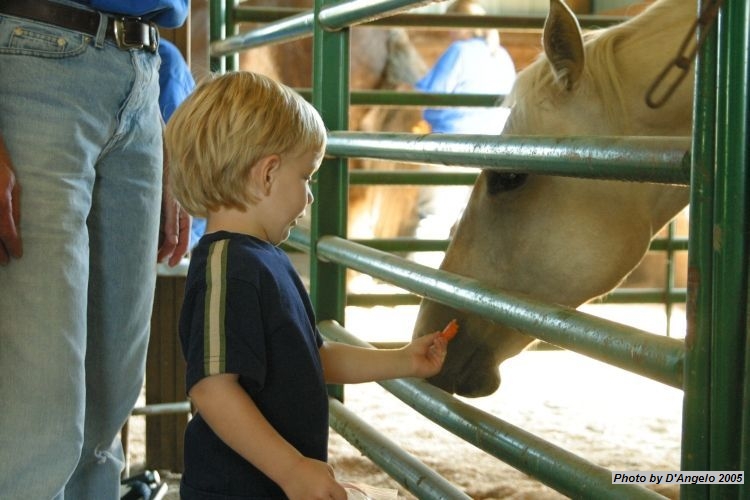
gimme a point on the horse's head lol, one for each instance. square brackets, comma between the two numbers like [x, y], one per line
[561, 240]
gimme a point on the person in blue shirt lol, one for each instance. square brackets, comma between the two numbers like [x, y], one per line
[81, 171]
[474, 63]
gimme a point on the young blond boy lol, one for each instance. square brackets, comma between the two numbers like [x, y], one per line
[243, 151]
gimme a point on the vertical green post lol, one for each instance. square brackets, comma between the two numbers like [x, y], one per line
[696, 416]
[217, 29]
[745, 439]
[329, 212]
[730, 249]
[232, 61]
[716, 381]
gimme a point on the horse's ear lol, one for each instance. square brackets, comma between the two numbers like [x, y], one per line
[563, 43]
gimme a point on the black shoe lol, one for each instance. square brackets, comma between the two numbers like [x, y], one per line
[144, 486]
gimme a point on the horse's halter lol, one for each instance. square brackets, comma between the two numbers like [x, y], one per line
[681, 63]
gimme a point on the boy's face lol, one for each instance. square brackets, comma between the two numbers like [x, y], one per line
[290, 194]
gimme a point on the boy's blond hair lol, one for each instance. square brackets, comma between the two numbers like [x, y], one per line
[224, 127]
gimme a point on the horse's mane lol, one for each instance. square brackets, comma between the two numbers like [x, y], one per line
[404, 64]
[601, 49]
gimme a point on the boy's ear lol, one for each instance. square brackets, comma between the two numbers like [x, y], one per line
[263, 174]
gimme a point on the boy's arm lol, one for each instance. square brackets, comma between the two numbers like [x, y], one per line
[347, 364]
[234, 417]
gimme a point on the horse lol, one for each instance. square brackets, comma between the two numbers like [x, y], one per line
[381, 59]
[557, 239]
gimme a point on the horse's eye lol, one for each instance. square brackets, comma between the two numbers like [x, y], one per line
[499, 182]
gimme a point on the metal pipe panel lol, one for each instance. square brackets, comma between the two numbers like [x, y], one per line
[347, 14]
[731, 229]
[248, 13]
[659, 358]
[288, 24]
[554, 466]
[400, 465]
[648, 159]
[285, 30]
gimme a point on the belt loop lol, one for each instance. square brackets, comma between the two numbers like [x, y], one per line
[101, 33]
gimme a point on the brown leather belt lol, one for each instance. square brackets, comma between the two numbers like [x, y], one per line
[127, 32]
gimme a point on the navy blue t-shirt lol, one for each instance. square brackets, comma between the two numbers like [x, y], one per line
[246, 312]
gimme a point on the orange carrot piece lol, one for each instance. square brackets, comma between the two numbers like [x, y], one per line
[450, 330]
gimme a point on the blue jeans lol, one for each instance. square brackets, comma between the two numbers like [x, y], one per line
[82, 125]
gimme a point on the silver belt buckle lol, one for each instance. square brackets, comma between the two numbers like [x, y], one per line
[148, 40]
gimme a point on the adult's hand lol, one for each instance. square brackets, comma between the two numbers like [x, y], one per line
[174, 230]
[174, 233]
[10, 209]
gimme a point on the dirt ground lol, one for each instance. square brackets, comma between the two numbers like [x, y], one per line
[608, 416]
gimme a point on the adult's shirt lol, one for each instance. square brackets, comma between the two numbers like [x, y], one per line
[175, 80]
[469, 67]
[166, 13]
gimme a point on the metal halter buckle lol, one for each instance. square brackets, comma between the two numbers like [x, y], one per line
[133, 33]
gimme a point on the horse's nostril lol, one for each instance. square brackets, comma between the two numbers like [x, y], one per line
[477, 387]
[442, 382]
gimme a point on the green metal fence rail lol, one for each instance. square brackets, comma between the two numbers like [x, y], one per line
[647, 159]
[411, 473]
[712, 365]
[557, 468]
[658, 357]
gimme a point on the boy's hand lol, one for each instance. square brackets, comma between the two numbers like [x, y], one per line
[428, 354]
[312, 479]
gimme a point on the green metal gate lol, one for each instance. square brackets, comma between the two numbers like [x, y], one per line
[712, 366]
